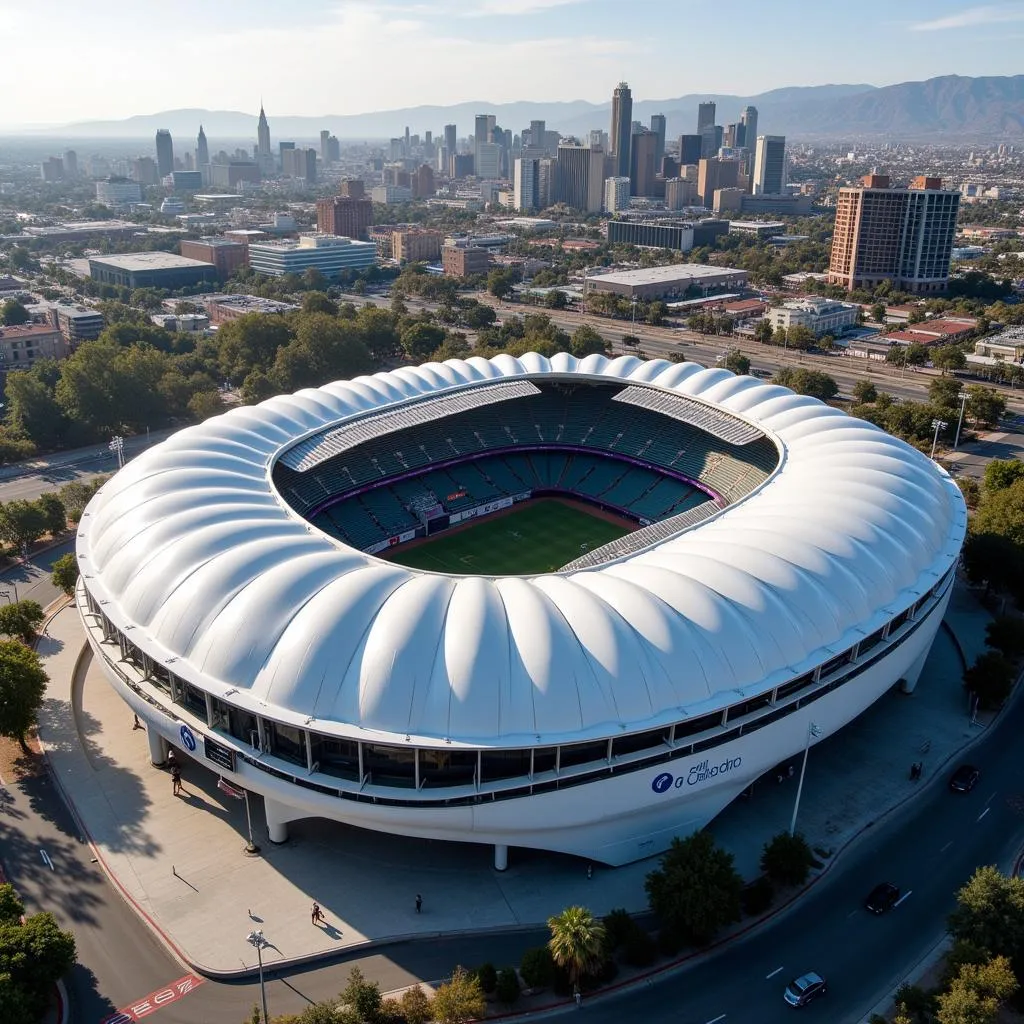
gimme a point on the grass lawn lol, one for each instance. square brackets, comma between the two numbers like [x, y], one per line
[540, 537]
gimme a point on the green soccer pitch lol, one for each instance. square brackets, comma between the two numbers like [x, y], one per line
[540, 537]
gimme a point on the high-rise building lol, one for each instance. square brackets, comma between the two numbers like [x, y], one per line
[52, 169]
[451, 142]
[770, 165]
[579, 177]
[679, 194]
[538, 129]
[423, 186]
[643, 166]
[483, 135]
[144, 171]
[299, 163]
[901, 235]
[344, 215]
[202, 149]
[714, 174]
[164, 152]
[352, 188]
[526, 183]
[70, 163]
[689, 149]
[324, 136]
[488, 160]
[669, 167]
[264, 156]
[729, 136]
[622, 129]
[705, 115]
[658, 127]
[746, 130]
[616, 195]
[710, 140]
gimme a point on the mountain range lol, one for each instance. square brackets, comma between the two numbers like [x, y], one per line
[948, 108]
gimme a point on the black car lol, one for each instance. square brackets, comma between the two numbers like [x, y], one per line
[800, 991]
[882, 898]
[964, 779]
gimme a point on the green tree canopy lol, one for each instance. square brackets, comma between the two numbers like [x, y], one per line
[64, 574]
[977, 992]
[420, 339]
[13, 313]
[577, 942]
[33, 410]
[22, 522]
[586, 341]
[1000, 473]
[787, 859]
[459, 999]
[33, 956]
[22, 687]
[990, 914]
[985, 405]
[1002, 512]
[864, 391]
[55, 515]
[737, 362]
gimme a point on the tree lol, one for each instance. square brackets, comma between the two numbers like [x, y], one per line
[916, 354]
[977, 992]
[499, 283]
[697, 890]
[878, 313]
[507, 989]
[537, 966]
[737, 362]
[990, 679]
[1006, 634]
[362, 997]
[807, 382]
[258, 387]
[318, 302]
[415, 1006]
[64, 575]
[991, 559]
[787, 859]
[13, 313]
[204, 404]
[76, 495]
[21, 523]
[459, 999]
[55, 516]
[314, 279]
[22, 687]
[985, 405]
[864, 392]
[1001, 512]
[948, 357]
[576, 942]
[33, 956]
[12, 910]
[990, 914]
[800, 337]
[1000, 473]
[555, 299]
[420, 339]
[21, 620]
[945, 392]
[656, 313]
[586, 341]
[763, 331]
[970, 489]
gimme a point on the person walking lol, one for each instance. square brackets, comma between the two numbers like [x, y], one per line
[136, 724]
[419, 903]
[318, 914]
[176, 780]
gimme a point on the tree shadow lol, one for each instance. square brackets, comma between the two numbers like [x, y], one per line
[87, 1003]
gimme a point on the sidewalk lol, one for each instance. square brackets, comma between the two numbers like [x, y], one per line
[181, 860]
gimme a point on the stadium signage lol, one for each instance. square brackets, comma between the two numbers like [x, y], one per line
[665, 781]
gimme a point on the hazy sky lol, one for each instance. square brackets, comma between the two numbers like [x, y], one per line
[65, 60]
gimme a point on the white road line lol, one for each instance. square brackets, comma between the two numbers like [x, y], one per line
[715, 1020]
[990, 799]
[778, 970]
[852, 913]
[46, 860]
[983, 813]
[946, 847]
[902, 898]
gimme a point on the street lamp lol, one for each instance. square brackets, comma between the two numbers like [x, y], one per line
[117, 447]
[633, 303]
[963, 405]
[937, 425]
[256, 939]
[812, 730]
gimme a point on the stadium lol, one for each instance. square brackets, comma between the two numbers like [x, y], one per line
[571, 605]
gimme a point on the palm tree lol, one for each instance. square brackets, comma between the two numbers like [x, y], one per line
[577, 941]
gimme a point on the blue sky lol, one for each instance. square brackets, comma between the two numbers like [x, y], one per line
[350, 56]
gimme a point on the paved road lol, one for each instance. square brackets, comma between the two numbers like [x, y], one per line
[31, 581]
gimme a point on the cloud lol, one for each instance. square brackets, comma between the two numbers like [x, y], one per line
[993, 14]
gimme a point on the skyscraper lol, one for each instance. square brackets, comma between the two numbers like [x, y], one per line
[526, 183]
[202, 149]
[451, 139]
[746, 130]
[164, 152]
[901, 235]
[658, 127]
[622, 127]
[713, 175]
[324, 137]
[349, 216]
[537, 131]
[483, 135]
[642, 163]
[705, 115]
[770, 165]
[711, 140]
[70, 163]
[579, 177]
[264, 156]
[689, 149]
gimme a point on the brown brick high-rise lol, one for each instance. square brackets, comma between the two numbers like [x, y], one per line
[342, 215]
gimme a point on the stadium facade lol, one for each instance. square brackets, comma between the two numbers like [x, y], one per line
[791, 565]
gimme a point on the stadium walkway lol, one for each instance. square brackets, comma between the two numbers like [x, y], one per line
[180, 860]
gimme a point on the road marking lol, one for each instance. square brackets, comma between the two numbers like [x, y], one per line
[852, 913]
[902, 898]
[990, 799]
[983, 813]
[155, 1000]
[946, 847]
[715, 1020]
[778, 970]
[46, 860]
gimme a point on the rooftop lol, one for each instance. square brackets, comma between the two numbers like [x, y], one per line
[27, 331]
[675, 272]
[147, 261]
[252, 303]
[310, 241]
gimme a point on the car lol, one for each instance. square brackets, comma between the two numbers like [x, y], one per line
[883, 897]
[964, 779]
[800, 991]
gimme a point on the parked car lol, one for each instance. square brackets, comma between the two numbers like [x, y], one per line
[882, 898]
[800, 991]
[964, 779]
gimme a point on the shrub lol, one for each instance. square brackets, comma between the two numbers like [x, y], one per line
[670, 942]
[758, 896]
[537, 967]
[787, 859]
[640, 950]
[915, 1002]
[618, 926]
[507, 988]
[415, 1005]
[390, 1012]
[488, 977]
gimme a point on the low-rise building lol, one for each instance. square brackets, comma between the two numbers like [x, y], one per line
[330, 254]
[391, 194]
[464, 261]
[118, 192]
[416, 245]
[187, 323]
[225, 308]
[226, 254]
[77, 323]
[21, 347]
[678, 281]
[150, 270]
[821, 316]
[757, 228]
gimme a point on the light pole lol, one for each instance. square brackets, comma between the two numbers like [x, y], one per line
[256, 939]
[812, 730]
[117, 447]
[938, 425]
[633, 303]
[960, 422]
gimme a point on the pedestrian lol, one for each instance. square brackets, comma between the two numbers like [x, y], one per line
[419, 903]
[318, 914]
[577, 995]
[136, 724]
[176, 780]
[590, 871]
[171, 759]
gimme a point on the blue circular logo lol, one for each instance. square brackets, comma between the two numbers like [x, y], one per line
[662, 783]
[187, 739]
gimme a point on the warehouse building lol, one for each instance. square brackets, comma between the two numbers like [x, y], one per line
[675, 282]
[150, 270]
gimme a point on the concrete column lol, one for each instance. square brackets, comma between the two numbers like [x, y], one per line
[500, 858]
[277, 820]
[157, 748]
[909, 680]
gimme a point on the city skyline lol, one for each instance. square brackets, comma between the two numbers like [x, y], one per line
[557, 50]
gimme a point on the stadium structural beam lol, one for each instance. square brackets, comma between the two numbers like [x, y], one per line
[500, 858]
[277, 820]
[157, 748]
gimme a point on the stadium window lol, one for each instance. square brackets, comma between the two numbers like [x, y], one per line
[716, 741]
[336, 757]
[160, 677]
[286, 742]
[389, 766]
[835, 664]
[194, 699]
[869, 642]
[794, 686]
[109, 633]
[447, 767]
[898, 621]
[583, 753]
[623, 745]
[238, 723]
[504, 764]
[692, 726]
[749, 707]
[544, 759]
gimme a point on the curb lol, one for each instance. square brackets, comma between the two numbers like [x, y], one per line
[63, 1004]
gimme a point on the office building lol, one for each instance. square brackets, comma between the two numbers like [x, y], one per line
[222, 309]
[536, 136]
[654, 234]
[21, 347]
[118, 192]
[746, 130]
[465, 261]
[76, 323]
[329, 254]
[820, 316]
[351, 188]
[487, 164]
[689, 149]
[299, 163]
[52, 169]
[714, 174]
[680, 193]
[231, 175]
[423, 185]
[621, 130]
[415, 245]
[202, 149]
[164, 153]
[344, 215]
[70, 164]
[729, 137]
[390, 195]
[672, 282]
[770, 165]
[264, 154]
[579, 177]
[324, 137]
[710, 140]
[225, 254]
[658, 127]
[705, 116]
[186, 181]
[150, 270]
[526, 188]
[900, 235]
[616, 195]
[483, 134]
[144, 171]
[643, 163]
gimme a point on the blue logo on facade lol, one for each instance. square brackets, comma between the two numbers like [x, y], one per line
[662, 783]
[187, 739]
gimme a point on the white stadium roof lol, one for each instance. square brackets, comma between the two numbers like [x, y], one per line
[191, 549]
